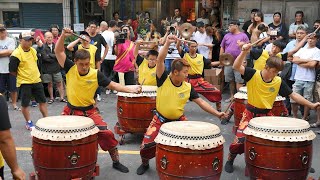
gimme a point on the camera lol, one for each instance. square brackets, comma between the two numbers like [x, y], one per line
[120, 36]
[172, 30]
[125, 31]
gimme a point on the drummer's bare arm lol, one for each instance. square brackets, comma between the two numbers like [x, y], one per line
[237, 65]
[120, 88]
[59, 49]
[163, 54]
[71, 46]
[208, 108]
[136, 49]
[301, 100]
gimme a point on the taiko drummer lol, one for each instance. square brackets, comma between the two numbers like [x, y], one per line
[146, 66]
[263, 87]
[82, 83]
[172, 95]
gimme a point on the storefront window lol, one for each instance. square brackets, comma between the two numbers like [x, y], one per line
[11, 18]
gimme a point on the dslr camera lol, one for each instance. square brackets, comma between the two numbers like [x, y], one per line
[120, 36]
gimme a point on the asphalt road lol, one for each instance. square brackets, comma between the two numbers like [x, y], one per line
[129, 152]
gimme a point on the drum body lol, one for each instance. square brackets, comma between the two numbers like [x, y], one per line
[267, 159]
[239, 107]
[185, 154]
[135, 112]
[65, 159]
[284, 152]
[181, 163]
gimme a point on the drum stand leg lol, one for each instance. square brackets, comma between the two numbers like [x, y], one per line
[120, 132]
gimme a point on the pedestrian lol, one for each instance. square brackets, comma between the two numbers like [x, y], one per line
[23, 65]
[50, 68]
[8, 82]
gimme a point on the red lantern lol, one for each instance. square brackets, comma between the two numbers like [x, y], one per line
[103, 3]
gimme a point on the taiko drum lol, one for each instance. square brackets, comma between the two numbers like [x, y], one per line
[135, 111]
[189, 150]
[278, 148]
[64, 148]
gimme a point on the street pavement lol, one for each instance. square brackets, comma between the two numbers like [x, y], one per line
[129, 152]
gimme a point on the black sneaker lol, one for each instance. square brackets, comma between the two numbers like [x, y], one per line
[142, 169]
[228, 167]
[312, 170]
[120, 167]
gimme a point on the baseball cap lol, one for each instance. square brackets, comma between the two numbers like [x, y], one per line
[200, 24]
[26, 36]
[2, 27]
[84, 33]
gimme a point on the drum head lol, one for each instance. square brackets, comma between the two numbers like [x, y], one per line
[147, 91]
[193, 135]
[64, 128]
[280, 129]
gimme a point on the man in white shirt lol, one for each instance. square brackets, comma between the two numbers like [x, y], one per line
[202, 38]
[7, 81]
[299, 22]
[108, 62]
[306, 59]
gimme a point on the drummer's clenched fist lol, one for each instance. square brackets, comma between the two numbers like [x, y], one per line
[136, 89]
[67, 31]
[316, 105]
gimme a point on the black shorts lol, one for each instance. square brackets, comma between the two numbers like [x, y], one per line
[36, 90]
[8, 82]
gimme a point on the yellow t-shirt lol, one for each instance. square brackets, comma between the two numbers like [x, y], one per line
[1, 160]
[81, 89]
[28, 72]
[171, 99]
[260, 63]
[92, 50]
[261, 94]
[196, 64]
[149, 74]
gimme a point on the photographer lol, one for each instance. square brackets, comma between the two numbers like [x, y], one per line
[124, 64]
[173, 52]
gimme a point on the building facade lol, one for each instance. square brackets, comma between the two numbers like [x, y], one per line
[42, 13]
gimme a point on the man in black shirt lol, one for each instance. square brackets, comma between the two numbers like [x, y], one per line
[7, 146]
[98, 40]
[279, 27]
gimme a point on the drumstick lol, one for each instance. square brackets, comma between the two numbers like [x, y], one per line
[229, 106]
[143, 81]
[79, 36]
[256, 42]
[315, 31]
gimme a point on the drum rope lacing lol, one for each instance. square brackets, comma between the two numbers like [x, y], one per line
[64, 131]
[193, 138]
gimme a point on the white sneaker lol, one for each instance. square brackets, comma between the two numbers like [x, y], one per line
[98, 98]
[108, 91]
